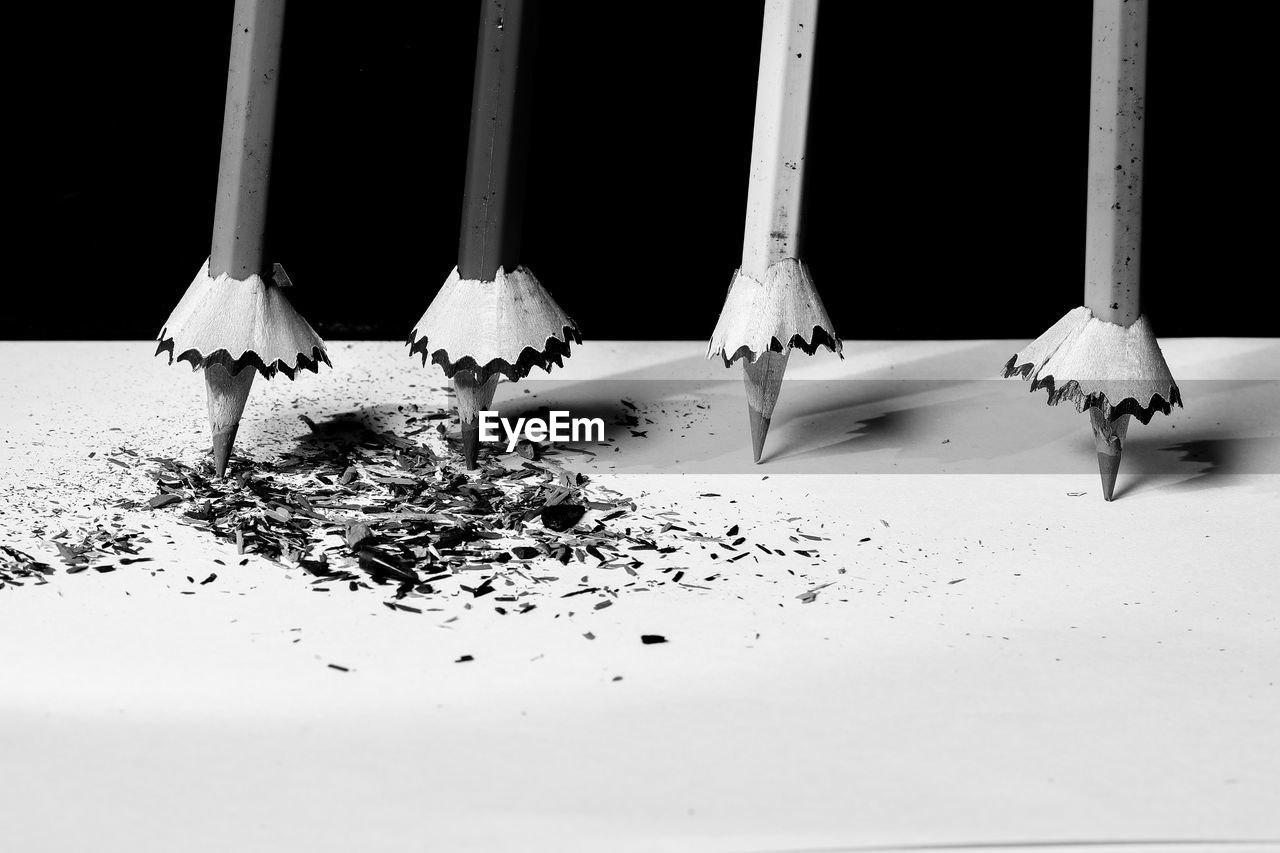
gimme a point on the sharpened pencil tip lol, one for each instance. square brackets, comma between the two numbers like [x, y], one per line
[1108, 441]
[759, 429]
[223, 440]
[1109, 469]
[471, 443]
[763, 382]
[228, 394]
[473, 397]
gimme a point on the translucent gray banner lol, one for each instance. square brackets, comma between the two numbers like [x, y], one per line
[896, 427]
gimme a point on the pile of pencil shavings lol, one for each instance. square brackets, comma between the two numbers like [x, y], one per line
[357, 506]
[17, 568]
[101, 549]
[361, 508]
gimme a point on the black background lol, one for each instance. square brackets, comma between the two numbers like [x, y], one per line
[946, 165]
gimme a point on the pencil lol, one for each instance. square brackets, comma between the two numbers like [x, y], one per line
[248, 124]
[244, 172]
[497, 144]
[492, 317]
[497, 152]
[231, 322]
[1113, 219]
[772, 304]
[1104, 355]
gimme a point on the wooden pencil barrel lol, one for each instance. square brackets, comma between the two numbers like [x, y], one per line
[494, 189]
[244, 171]
[1117, 106]
[776, 186]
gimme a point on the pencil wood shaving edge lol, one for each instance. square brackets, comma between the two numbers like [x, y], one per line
[240, 324]
[780, 312]
[1096, 364]
[509, 326]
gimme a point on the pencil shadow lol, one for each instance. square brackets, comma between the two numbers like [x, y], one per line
[934, 424]
[857, 393]
[342, 431]
[878, 429]
[368, 426]
[1221, 457]
[717, 405]
[1195, 464]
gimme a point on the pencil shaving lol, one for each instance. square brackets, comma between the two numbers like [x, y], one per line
[1096, 364]
[773, 315]
[506, 326]
[240, 324]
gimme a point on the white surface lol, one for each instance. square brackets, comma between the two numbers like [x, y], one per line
[1104, 672]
